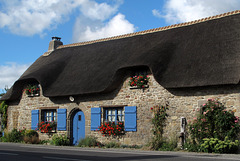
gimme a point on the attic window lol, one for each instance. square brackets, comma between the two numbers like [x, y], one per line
[139, 77]
[32, 90]
[141, 70]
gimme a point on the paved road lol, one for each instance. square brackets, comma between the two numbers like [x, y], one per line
[23, 152]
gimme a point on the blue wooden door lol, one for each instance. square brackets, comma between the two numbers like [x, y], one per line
[78, 127]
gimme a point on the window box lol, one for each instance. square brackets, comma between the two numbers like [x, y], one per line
[138, 82]
[32, 90]
[47, 127]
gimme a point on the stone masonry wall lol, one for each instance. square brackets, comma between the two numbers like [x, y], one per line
[182, 102]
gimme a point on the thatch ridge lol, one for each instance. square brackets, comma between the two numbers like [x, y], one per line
[152, 30]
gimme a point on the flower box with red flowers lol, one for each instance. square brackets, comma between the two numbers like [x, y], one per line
[112, 129]
[47, 127]
[140, 81]
[32, 90]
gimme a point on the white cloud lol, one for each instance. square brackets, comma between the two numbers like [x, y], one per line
[176, 11]
[29, 17]
[10, 72]
[118, 25]
[100, 21]
[96, 11]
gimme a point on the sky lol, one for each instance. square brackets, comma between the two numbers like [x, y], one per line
[26, 26]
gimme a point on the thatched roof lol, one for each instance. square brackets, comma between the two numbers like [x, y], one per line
[199, 53]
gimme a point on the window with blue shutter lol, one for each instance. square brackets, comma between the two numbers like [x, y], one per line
[95, 118]
[35, 119]
[61, 119]
[114, 114]
[130, 118]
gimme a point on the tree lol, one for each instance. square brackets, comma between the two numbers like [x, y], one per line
[4, 91]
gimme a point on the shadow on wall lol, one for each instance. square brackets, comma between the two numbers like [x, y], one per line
[206, 90]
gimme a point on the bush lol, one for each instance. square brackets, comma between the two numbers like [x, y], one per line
[60, 140]
[31, 136]
[31, 133]
[89, 141]
[213, 125]
[191, 147]
[15, 136]
[214, 122]
[217, 146]
[168, 145]
[112, 145]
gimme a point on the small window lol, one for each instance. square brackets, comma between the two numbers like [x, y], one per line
[114, 114]
[49, 115]
[127, 114]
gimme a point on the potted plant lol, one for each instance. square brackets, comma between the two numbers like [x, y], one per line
[47, 127]
[32, 90]
[112, 129]
[140, 81]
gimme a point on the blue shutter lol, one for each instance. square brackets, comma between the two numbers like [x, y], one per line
[61, 119]
[95, 118]
[130, 118]
[35, 119]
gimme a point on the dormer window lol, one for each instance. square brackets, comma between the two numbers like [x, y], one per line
[32, 90]
[139, 77]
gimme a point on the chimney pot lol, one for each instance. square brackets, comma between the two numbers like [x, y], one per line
[56, 41]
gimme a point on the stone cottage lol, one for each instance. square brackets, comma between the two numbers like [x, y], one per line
[85, 84]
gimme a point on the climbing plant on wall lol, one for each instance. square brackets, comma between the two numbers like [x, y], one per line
[3, 112]
[159, 122]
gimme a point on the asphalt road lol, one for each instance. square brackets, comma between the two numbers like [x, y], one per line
[24, 152]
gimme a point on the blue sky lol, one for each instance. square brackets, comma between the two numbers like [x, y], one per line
[26, 26]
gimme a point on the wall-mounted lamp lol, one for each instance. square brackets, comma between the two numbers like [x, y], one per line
[71, 98]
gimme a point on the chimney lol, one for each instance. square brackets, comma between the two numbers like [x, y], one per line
[56, 41]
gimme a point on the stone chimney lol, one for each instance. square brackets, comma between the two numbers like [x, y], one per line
[56, 41]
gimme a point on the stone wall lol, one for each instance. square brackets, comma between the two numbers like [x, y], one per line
[182, 102]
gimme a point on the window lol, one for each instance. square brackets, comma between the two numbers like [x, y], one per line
[140, 70]
[114, 114]
[128, 114]
[49, 115]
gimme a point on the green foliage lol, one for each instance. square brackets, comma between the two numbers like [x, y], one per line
[192, 147]
[60, 140]
[32, 89]
[170, 145]
[17, 136]
[31, 136]
[159, 122]
[31, 133]
[214, 124]
[89, 141]
[112, 144]
[3, 111]
[14, 136]
[217, 146]
[44, 141]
